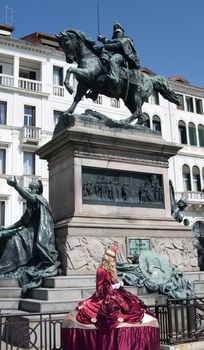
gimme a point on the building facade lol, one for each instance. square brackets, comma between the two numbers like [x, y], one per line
[32, 97]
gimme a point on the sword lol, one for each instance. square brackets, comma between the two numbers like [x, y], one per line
[98, 17]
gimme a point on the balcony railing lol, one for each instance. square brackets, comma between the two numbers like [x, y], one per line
[30, 134]
[191, 196]
[25, 180]
[58, 90]
[6, 80]
[28, 84]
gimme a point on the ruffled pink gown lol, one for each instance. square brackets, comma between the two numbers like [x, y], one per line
[108, 307]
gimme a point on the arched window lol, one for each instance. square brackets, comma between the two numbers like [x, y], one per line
[201, 135]
[203, 178]
[186, 222]
[192, 134]
[156, 123]
[147, 121]
[186, 178]
[196, 179]
[198, 228]
[182, 132]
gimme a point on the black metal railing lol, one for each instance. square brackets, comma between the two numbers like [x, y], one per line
[31, 331]
[180, 320]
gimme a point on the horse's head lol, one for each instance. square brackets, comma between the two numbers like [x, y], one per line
[74, 43]
[68, 43]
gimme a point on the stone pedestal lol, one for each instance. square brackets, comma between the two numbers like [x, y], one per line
[109, 184]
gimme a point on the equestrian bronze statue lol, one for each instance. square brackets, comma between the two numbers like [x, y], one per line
[111, 70]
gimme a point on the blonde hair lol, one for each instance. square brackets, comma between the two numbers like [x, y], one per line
[106, 264]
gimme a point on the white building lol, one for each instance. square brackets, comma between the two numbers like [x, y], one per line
[32, 97]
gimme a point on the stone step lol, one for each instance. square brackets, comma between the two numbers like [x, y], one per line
[37, 305]
[194, 276]
[9, 282]
[61, 293]
[60, 305]
[199, 287]
[70, 281]
[198, 345]
[153, 298]
[10, 303]
[14, 312]
[10, 292]
[73, 293]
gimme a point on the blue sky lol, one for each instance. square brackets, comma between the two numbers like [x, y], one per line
[168, 34]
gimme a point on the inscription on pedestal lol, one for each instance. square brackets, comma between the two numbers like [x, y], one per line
[135, 246]
[122, 188]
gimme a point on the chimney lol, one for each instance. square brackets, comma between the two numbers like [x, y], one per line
[6, 30]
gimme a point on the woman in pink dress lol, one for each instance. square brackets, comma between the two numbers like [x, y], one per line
[111, 304]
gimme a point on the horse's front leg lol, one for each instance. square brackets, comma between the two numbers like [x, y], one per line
[135, 106]
[81, 91]
[66, 81]
[80, 73]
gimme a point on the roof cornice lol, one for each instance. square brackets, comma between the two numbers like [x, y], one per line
[187, 89]
[25, 45]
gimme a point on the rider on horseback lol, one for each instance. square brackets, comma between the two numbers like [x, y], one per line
[122, 53]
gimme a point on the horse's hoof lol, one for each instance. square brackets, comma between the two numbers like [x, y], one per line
[69, 89]
[124, 121]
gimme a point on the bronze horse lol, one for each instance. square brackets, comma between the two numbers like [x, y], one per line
[134, 87]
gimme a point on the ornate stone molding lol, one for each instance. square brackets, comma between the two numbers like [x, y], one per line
[120, 159]
[187, 89]
[85, 253]
[25, 45]
[180, 252]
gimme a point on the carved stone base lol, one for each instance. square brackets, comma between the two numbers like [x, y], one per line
[108, 183]
[83, 254]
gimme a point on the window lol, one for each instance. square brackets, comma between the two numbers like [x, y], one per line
[201, 135]
[2, 213]
[203, 179]
[186, 178]
[147, 121]
[3, 112]
[56, 116]
[182, 132]
[156, 123]
[27, 74]
[181, 102]
[99, 100]
[2, 161]
[189, 104]
[196, 179]
[28, 163]
[115, 103]
[57, 75]
[186, 222]
[199, 106]
[29, 116]
[155, 98]
[198, 228]
[192, 134]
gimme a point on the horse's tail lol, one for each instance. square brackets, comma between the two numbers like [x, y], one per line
[161, 85]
